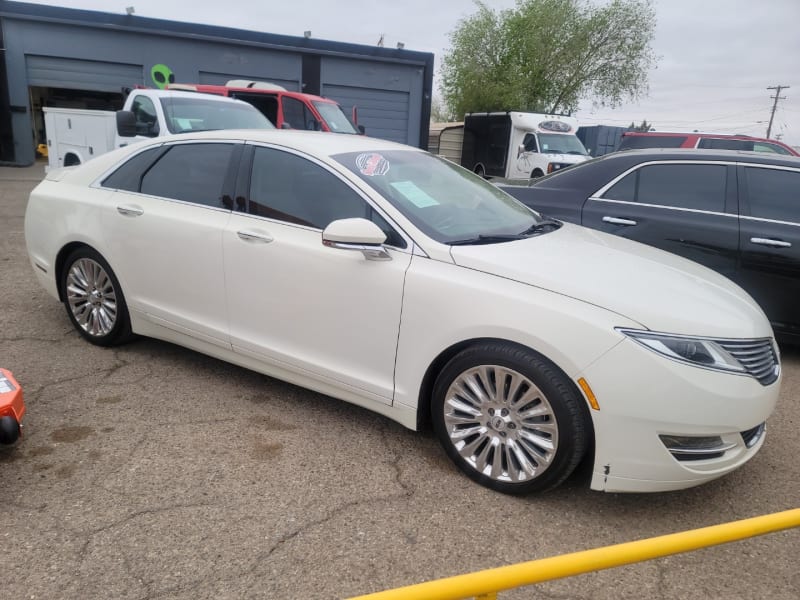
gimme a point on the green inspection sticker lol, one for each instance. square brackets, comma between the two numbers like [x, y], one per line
[414, 194]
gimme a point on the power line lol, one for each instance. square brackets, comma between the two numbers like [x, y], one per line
[777, 97]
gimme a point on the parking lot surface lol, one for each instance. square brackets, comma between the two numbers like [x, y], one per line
[151, 471]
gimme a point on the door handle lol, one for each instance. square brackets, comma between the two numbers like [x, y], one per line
[252, 236]
[618, 221]
[130, 211]
[769, 242]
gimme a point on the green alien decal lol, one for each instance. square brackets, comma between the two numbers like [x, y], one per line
[162, 75]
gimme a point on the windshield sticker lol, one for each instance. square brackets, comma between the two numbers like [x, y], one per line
[372, 164]
[413, 194]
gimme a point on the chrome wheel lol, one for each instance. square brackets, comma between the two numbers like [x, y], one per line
[91, 297]
[500, 423]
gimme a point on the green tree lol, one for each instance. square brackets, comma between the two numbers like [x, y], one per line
[547, 55]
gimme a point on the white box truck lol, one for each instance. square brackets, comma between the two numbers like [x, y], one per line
[76, 135]
[511, 145]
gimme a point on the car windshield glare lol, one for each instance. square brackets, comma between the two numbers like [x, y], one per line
[443, 200]
[556, 143]
[332, 115]
[197, 114]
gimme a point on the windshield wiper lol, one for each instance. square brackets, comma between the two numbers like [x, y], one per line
[489, 239]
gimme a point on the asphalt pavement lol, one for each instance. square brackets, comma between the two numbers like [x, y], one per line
[150, 471]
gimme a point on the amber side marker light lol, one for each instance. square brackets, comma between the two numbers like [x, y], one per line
[589, 393]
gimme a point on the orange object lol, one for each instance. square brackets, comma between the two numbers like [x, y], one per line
[12, 408]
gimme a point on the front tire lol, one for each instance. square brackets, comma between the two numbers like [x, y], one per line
[93, 298]
[509, 418]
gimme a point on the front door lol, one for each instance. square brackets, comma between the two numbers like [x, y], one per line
[328, 314]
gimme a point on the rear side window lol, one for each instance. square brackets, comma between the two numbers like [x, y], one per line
[636, 142]
[767, 147]
[129, 176]
[699, 187]
[190, 172]
[774, 194]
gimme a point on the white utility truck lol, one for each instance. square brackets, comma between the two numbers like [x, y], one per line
[76, 135]
[512, 145]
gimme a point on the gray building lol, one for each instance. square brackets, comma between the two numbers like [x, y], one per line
[62, 57]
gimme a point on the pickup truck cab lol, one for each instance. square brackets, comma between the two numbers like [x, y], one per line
[285, 109]
[75, 135]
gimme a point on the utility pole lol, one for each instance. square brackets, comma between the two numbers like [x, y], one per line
[777, 97]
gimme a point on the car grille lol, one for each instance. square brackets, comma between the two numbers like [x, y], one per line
[757, 357]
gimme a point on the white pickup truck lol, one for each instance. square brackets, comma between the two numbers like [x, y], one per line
[75, 135]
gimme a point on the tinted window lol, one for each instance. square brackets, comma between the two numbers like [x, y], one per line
[624, 189]
[774, 194]
[201, 113]
[633, 142]
[190, 172]
[290, 188]
[700, 187]
[146, 117]
[129, 176]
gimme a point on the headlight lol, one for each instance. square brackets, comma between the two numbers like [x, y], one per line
[694, 351]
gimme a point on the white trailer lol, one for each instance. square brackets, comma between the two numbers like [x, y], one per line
[75, 135]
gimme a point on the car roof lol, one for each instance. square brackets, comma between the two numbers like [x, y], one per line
[646, 154]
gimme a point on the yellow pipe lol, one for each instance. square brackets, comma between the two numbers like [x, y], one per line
[502, 578]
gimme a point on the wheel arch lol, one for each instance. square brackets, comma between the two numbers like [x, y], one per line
[438, 363]
[61, 258]
[72, 159]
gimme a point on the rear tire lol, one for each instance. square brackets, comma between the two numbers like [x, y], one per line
[509, 418]
[94, 299]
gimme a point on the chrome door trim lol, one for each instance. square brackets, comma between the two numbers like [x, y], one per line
[643, 204]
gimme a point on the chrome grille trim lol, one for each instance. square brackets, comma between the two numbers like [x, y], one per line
[756, 356]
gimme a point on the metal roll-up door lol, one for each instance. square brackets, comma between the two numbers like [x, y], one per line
[384, 113]
[70, 73]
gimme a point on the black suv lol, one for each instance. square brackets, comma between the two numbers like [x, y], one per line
[735, 212]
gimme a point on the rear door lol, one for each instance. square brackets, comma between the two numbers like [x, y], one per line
[770, 241]
[684, 207]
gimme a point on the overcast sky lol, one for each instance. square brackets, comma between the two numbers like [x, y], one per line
[717, 57]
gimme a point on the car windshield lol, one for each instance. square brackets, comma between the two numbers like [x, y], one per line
[332, 114]
[199, 114]
[559, 143]
[448, 203]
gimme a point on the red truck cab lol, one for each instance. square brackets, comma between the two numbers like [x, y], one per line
[286, 110]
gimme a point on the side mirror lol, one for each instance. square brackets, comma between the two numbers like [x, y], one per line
[520, 150]
[361, 130]
[285, 125]
[356, 234]
[126, 123]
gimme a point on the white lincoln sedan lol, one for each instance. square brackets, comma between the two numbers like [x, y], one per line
[384, 276]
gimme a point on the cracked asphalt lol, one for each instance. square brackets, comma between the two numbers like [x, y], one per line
[149, 471]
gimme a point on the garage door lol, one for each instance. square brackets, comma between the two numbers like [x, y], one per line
[70, 73]
[384, 113]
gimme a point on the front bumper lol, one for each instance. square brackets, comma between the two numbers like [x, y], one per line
[643, 396]
[12, 408]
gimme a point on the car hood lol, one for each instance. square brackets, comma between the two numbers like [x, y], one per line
[661, 291]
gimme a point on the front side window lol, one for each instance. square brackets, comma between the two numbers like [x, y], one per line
[146, 117]
[529, 143]
[774, 193]
[297, 115]
[446, 202]
[699, 187]
[190, 172]
[290, 188]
